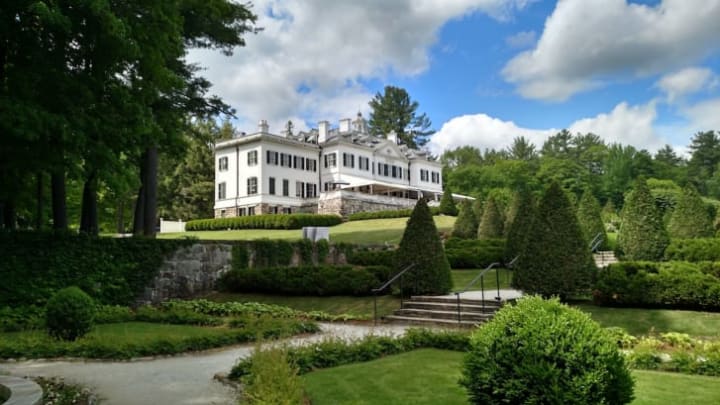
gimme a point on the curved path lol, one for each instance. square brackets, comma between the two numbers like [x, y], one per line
[184, 379]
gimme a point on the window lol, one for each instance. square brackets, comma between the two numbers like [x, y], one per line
[435, 177]
[252, 158]
[287, 210]
[252, 185]
[364, 163]
[272, 157]
[242, 212]
[222, 213]
[314, 165]
[251, 210]
[223, 164]
[295, 159]
[394, 171]
[386, 169]
[272, 186]
[348, 160]
[423, 175]
[331, 160]
[274, 210]
[302, 163]
[282, 159]
[310, 190]
[221, 191]
[286, 187]
[299, 189]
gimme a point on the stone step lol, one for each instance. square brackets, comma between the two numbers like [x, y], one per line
[451, 306]
[489, 299]
[449, 315]
[430, 321]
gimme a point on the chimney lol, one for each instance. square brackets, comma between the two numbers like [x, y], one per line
[263, 127]
[344, 125]
[323, 128]
[392, 137]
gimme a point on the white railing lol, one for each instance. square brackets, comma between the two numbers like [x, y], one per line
[171, 226]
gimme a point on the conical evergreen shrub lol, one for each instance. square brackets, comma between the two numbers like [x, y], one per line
[447, 204]
[466, 225]
[642, 234]
[591, 223]
[690, 219]
[556, 259]
[491, 225]
[421, 245]
[521, 212]
[477, 207]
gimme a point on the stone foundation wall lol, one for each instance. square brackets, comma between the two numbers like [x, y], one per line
[189, 272]
[345, 203]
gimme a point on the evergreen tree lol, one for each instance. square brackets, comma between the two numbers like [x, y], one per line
[395, 111]
[642, 234]
[447, 204]
[517, 229]
[556, 259]
[477, 207]
[466, 224]
[690, 219]
[491, 225]
[421, 245]
[591, 223]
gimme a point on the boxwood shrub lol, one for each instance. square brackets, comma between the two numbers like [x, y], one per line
[69, 314]
[306, 280]
[680, 285]
[265, 221]
[694, 250]
[474, 253]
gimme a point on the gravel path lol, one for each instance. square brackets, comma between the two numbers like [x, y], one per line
[183, 379]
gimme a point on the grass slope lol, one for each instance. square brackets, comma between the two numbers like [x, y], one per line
[371, 231]
[430, 376]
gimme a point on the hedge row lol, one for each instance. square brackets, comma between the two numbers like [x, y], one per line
[306, 280]
[680, 285]
[694, 250]
[266, 221]
[111, 270]
[474, 253]
[359, 216]
[372, 257]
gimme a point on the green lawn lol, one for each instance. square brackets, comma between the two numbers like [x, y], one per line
[462, 277]
[430, 376]
[639, 321]
[372, 231]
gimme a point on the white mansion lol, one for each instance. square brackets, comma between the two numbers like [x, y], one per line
[340, 170]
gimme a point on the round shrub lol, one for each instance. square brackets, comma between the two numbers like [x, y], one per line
[543, 352]
[69, 314]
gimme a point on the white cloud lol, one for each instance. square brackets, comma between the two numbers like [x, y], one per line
[629, 125]
[703, 116]
[311, 55]
[522, 39]
[687, 81]
[586, 42]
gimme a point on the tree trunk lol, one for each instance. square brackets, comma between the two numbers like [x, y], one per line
[57, 180]
[139, 212]
[150, 186]
[39, 197]
[88, 214]
[120, 216]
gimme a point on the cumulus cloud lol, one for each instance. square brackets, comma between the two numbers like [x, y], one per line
[587, 42]
[629, 125]
[522, 39]
[686, 81]
[703, 116]
[308, 61]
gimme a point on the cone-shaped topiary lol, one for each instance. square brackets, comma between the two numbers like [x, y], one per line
[477, 207]
[690, 219]
[544, 352]
[591, 223]
[466, 225]
[522, 211]
[421, 245]
[69, 314]
[447, 204]
[556, 259]
[642, 234]
[491, 225]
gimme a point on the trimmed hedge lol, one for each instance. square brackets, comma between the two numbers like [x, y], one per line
[360, 216]
[306, 280]
[69, 314]
[474, 253]
[265, 221]
[680, 285]
[111, 270]
[371, 257]
[694, 250]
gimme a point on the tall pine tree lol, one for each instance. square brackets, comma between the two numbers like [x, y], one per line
[642, 233]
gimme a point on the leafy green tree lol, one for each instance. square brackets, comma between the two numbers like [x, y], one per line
[421, 246]
[556, 259]
[558, 146]
[491, 224]
[690, 218]
[642, 234]
[461, 156]
[447, 203]
[705, 147]
[591, 223]
[393, 110]
[517, 225]
[618, 175]
[466, 224]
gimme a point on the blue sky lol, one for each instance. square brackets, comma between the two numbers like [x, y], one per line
[644, 73]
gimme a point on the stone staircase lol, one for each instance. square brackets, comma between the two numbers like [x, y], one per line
[604, 258]
[443, 311]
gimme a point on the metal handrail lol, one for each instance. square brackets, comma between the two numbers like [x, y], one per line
[472, 282]
[596, 241]
[387, 284]
[512, 262]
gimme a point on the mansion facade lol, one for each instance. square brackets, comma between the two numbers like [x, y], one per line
[325, 170]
